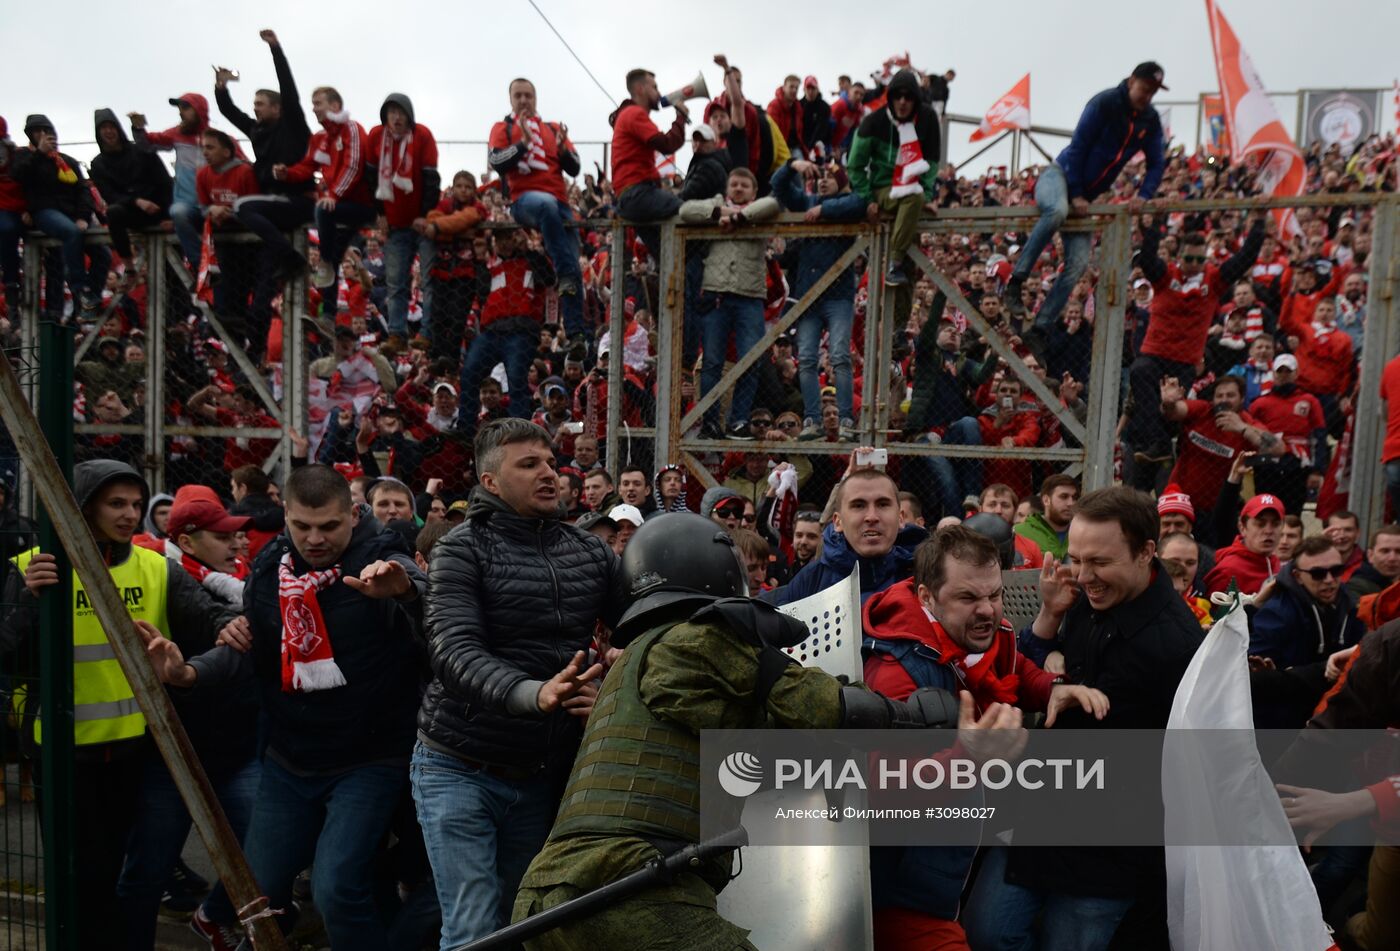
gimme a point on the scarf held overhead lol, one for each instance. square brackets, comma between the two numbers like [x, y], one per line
[308, 660]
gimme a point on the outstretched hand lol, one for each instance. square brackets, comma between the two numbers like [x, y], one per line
[568, 684]
[382, 579]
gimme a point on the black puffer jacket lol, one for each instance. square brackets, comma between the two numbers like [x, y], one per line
[510, 600]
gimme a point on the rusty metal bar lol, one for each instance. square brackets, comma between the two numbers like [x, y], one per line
[1381, 343]
[616, 365]
[1105, 376]
[822, 448]
[875, 276]
[163, 723]
[235, 347]
[669, 337]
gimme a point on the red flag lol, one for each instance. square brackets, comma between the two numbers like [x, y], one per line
[208, 263]
[1011, 111]
[1253, 122]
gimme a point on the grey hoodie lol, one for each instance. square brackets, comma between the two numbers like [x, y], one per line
[149, 525]
[713, 497]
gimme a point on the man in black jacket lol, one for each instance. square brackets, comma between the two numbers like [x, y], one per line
[134, 184]
[60, 205]
[515, 597]
[279, 135]
[1126, 632]
[330, 623]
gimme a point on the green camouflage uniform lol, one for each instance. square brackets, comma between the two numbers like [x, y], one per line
[636, 779]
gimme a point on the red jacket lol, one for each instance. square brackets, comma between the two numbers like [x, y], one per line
[1298, 308]
[1295, 416]
[1390, 392]
[404, 206]
[226, 184]
[550, 180]
[517, 287]
[788, 116]
[634, 142]
[1023, 429]
[338, 153]
[895, 614]
[1246, 568]
[1182, 312]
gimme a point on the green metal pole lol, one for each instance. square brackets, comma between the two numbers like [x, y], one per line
[56, 654]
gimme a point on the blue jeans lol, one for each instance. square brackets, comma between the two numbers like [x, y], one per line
[481, 832]
[648, 201]
[547, 214]
[954, 479]
[158, 838]
[726, 316]
[1001, 917]
[399, 252]
[334, 824]
[189, 228]
[1052, 198]
[516, 350]
[833, 315]
[11, 230]
[84, 279]
[1392, 486]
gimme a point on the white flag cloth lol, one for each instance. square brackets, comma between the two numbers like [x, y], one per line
[1224, 898]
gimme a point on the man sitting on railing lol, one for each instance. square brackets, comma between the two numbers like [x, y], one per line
[1115, 125]
[60, 205]
[133, 183]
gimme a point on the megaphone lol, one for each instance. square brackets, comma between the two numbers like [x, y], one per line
[695, 89]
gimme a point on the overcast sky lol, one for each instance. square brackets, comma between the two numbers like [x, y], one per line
[455, 59]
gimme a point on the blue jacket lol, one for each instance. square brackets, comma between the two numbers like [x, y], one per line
[837, 560]
[1109, 133]
[815, 256]
[1287, 630]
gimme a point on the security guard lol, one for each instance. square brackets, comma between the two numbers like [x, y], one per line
[109, 727]
[698, 656]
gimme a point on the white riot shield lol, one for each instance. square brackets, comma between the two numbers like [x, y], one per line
[832, 617]
[799, 897]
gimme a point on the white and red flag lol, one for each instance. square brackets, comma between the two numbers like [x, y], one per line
[1253, 123]
[1011, 111]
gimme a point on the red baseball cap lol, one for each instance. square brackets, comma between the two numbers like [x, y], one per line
[1262, 503]
[196, 509]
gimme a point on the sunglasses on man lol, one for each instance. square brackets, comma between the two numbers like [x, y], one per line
[730, 508]
[1194, 258]
[1319, 574]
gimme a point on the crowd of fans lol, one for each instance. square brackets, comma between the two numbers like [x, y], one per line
[436, 306]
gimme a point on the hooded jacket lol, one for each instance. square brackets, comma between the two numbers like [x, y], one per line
[713, 496]
[281, 141]
[512, 598]
[123, 174]
[1289, 627]
[11, 194]
[221, 726]
[268, 517]
[1038, 530]
[875, 151]
[44, 188]
[189, 155]
[420, 163]
[1249, 570]
[659, 506]
[902, 653]
[838, 560]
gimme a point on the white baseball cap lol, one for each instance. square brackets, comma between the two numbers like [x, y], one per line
[1286, 360]
[626, 513]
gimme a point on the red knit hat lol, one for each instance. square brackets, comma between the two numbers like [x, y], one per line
[1175, 500]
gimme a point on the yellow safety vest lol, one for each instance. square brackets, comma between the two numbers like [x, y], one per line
[104, 705]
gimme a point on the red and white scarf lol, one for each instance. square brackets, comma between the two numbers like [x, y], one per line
[395, 174]
[534, 159]
[1322, 331]
[1264, 375]
[910, 163]
[308, 662]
